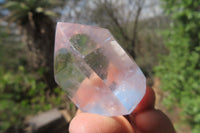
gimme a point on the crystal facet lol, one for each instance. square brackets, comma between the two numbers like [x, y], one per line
[95, 72]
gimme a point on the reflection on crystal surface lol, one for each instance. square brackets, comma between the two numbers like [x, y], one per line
[82, 43]
[98, 62]
[95, 71]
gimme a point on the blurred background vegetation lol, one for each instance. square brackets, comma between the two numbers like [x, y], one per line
[163, 36]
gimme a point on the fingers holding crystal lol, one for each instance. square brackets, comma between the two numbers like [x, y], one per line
[93, 123]
[147, 102]
[144, 119]
[153, 121]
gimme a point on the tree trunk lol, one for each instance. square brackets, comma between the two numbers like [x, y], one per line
[40, 34]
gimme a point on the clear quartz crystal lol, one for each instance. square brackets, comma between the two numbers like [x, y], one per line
[95, 72]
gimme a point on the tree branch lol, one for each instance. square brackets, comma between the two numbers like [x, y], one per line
[136, 22]
[116, 22]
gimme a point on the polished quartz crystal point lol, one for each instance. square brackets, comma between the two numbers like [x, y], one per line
[95, 72]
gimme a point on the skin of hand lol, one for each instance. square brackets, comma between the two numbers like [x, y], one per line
[144, 119]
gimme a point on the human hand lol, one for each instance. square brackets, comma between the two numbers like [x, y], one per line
[144, 119]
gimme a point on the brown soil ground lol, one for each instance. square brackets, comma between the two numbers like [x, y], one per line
[174, 115]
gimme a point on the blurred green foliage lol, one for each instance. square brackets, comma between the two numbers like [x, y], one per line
[22, 92]
[36, 22]
[180, 70]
